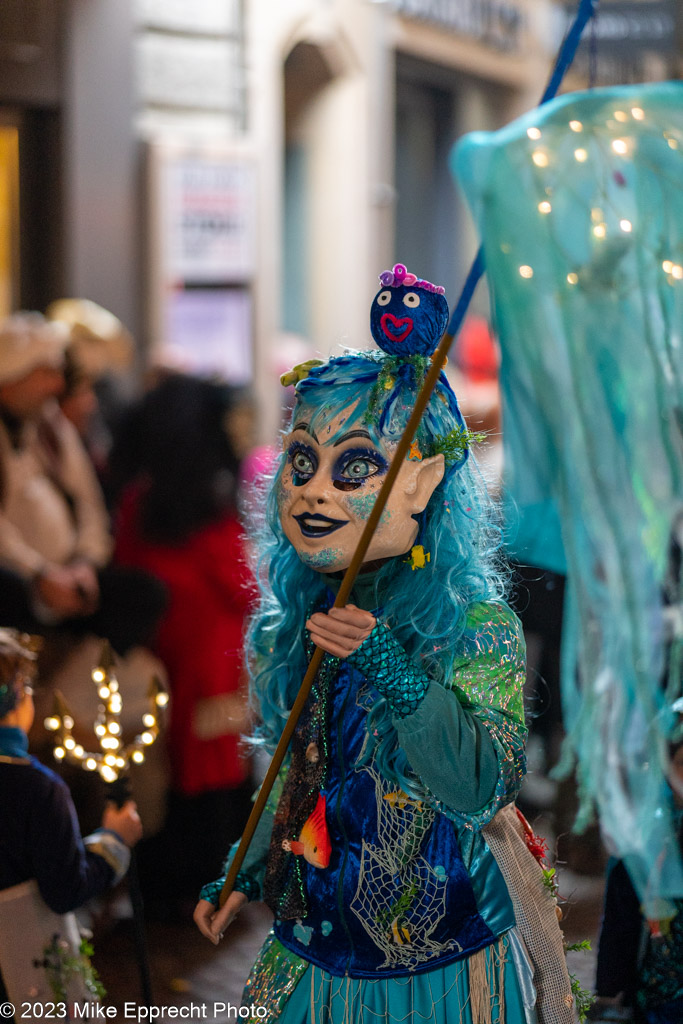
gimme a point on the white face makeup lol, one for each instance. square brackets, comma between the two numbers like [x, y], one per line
[330, 484]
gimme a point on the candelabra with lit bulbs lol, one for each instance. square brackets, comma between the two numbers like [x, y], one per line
[114, 757]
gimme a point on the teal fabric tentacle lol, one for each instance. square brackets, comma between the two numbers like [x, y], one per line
[580, 207]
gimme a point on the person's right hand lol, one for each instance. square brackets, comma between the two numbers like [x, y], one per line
[57, 588]
[211, 922]
[125, 821]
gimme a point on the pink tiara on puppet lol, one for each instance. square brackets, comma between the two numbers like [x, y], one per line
[408, 316]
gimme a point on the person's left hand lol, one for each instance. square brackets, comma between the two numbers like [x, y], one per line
[212, 922]
[341, 631]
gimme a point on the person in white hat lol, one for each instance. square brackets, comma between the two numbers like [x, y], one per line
[55, 543]
[53, 525]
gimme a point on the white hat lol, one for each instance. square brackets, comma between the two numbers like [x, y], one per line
[28, 340]
[98, 341]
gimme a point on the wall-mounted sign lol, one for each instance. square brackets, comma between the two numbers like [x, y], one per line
[496, 23]
[202, 237]
[623, 26]
[208, 332]
[208, 212]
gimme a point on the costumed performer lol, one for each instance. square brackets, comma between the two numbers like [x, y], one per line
[387, 900]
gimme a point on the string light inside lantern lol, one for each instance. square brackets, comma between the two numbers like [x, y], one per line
[113, 757]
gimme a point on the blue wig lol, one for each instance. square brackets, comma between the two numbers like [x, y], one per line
[426, 609]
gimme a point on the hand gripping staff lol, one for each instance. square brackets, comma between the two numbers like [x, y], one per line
[586, 10]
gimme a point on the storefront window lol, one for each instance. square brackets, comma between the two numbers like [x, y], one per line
[9, 216]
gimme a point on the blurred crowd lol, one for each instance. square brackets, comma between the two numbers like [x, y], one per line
[120, 519]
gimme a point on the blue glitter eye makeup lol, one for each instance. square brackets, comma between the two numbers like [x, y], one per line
[303, 461]
[355, 466]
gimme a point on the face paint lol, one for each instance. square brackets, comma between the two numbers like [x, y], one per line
[321, 561]
[363, 505]
[328, 488]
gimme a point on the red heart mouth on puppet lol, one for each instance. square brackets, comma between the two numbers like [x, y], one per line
[391, 325]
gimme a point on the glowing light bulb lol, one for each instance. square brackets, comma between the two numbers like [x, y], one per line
[620, 146]
[98, 675]
[526, 271]
[148, 720]
[540, 158]
[103, 692]
[576, 126]
[79, 751]
[667, 266]
[162, 698]
[110, 759]
[69, 743]
[147, 738]
[108, 773]
[114, 728]
[673, 143]
[51, 724]
[581, 155]
[626, 225]
[138, 756]
[60, 753]
[68, 722]
[100, 729]
[621, 115]
[544, 206]
[600, 230]
[91, 764]
[638, 113]
[534, 133]
[572, 278]
[677, 272]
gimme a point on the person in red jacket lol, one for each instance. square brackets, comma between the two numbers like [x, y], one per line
[176, 465]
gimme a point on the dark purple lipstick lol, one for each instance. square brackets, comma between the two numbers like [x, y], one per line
[313, 524]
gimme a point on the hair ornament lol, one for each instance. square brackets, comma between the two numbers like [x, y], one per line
[418, 557]
[299, 372]
[455, 445]
[392, 368]
[399, 277]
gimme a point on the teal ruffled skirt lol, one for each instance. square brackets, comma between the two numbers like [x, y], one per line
[485, 989]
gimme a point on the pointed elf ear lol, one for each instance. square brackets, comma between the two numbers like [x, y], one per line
[421, 480]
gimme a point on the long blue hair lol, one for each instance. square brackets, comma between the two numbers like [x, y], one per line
[426, 608]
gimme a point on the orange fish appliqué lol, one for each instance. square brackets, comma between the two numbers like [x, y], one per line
[314, 839]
